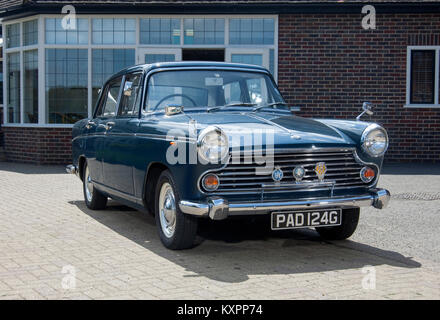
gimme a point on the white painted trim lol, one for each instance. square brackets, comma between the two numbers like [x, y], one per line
[422, 106]
[35, 125]
[436, 103]
[5, 100]
[41, 75]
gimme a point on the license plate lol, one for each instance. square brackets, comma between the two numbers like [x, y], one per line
[306, 218]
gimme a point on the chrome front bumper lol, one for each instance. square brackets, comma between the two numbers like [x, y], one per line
[218, 208]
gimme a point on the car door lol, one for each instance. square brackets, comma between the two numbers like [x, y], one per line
[120, 145]
[95, 138]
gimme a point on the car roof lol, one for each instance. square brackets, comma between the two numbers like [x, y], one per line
[186, 64]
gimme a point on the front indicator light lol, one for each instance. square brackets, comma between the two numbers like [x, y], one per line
[210, 182]
[367, 174]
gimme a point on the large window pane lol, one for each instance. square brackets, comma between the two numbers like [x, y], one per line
[251, 31]
[422, 76]
[13, 70]
[113, 31]
[30, 32]
[30, 88]
[153, 57]
[66, 85]
[56, 34]
[160, 31]
[256, 59]
[106, 62]
[204, 31]
[13, 35]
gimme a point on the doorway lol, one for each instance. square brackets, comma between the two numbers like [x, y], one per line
[203, 55]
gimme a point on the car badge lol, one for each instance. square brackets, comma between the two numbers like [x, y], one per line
[320, 170]
[299, 173]
[277, 174]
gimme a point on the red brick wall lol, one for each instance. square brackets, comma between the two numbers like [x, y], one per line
[38, 145]
[329, 65]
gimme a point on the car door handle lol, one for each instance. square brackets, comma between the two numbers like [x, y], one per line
[90, 124]
[109, 125]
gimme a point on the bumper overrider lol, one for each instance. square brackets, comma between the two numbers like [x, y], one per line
[218, 208]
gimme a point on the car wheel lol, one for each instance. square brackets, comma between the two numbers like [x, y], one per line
[176, 230]
[350, 218]
[94, 199]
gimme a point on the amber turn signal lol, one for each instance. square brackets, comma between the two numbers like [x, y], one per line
[367, 174]
[210, 182]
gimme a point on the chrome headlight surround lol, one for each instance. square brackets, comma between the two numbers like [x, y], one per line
[374, 140]
[212, 145]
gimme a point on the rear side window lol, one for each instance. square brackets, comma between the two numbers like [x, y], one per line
[110, 103]
[131, 95]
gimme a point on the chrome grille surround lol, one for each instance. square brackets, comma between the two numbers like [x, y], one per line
[343, 171]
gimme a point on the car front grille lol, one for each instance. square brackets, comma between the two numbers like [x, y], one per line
[343, 171]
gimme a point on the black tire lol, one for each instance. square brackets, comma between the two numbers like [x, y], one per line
[350, 219]
[96, 200]
[185, 227]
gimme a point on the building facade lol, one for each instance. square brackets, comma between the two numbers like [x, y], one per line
[323, 59]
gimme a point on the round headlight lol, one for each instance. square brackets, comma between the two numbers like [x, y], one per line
[374, 140]
[213, 145]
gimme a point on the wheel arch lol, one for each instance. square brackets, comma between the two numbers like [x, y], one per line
[152, 175]
[81, 161]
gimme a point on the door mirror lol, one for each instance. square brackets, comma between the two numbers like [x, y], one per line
[128, 88]
[367, 108]
[172, 109]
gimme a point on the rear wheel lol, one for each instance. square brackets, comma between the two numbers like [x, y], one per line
[176, 230]
[350, 218]
[94, 199]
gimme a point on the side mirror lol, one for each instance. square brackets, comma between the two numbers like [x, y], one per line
[173, 109]
[128, 88]
[367, 108]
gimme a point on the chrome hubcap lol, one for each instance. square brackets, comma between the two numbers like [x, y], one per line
[88, 185]
[167, 210]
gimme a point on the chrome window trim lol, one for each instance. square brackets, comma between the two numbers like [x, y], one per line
[150, 73]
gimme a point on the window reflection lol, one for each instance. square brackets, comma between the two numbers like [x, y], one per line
[66, 85]
[13, 35]
[160, 31]
[113, 31]
[251, 31]
[13, 69]
[56, 34]
[30, 88]
[204, 31]
[106, 62]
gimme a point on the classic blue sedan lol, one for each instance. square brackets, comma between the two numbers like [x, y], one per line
[193, 140]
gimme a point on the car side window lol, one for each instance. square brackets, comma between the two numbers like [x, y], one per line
[131, 95]
[110, 104]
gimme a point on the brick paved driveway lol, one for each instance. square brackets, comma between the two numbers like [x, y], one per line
[48, 238]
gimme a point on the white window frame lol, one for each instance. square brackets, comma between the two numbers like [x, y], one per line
[436, 103]
[139, 48]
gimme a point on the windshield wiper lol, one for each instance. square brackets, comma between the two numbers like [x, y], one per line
[238, 104]
[269, 105]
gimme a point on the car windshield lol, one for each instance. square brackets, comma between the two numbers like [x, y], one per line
[212, 90]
